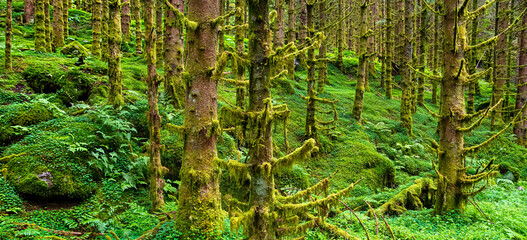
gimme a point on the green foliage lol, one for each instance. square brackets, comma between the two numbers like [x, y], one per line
[9, 199]
[9, 97]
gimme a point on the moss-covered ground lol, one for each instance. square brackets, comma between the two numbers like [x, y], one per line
[53, 118]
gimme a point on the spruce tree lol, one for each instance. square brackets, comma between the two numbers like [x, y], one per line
[173, 84]
[115, 78]
[136, 14]
[96, 28]
[520, 129]
[406, 75]
[125, 20]
[40, 26]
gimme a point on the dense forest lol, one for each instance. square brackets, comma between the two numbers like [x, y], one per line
[259, 119]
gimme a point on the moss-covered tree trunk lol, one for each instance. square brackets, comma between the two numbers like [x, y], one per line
[154, 120]
[389, 48]
[500, 61]
[136, 15]
[173, 84]
[291, 34]
[58, 24]
[65, 15]
[40, 27]
[159, 33]
[239, 21]
[362, 68]
[261, 154]
[472, 60]
[29, 10]
[8, 35]
[520, 129]
[279, 33]
[49, 27]
[126, 20]
[199, 194]
[437, 50]
[115, 78]
[221, 32]
[322, 61]
[96, 28]
[340, 35]
[423, 15]
[406, 76]
[311, 128]
[105, 30]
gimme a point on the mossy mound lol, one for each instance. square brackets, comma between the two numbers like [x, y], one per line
[53, 160]
[357, 160]
[70, 86]
[22, 115]
[9, 199]
[296, 177]
[75, 49]
[9, 97]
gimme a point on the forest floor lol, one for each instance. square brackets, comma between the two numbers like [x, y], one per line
[115, 153]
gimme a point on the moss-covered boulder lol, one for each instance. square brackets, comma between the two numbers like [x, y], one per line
[14, 117]
[75, 49]
[52, 161]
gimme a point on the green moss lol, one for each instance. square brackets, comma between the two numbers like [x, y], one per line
[9, 199]
[75, 48]
[296, 177]
[20, 114]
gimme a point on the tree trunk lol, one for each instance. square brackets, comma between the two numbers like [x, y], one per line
[49, 27]
[159, 33]
[389, 48]
[239, 20]
[323, 63]
[262, 180]
[437, 49]
[340, 36]
[65, 20]
[422, 51]
[154, 120]
[362, 68]
[126, 20]
[105, 32]
[406, 77]
[199, 195]
[96, 26]
[520, 129]
[29, 10]
[302, 31]
[40, 26]
[174, 55]
[472, 60]
[136, 14]
[279, 24]
[311, 128]
[115, 95]
[8, 34]
[58, 24]
[500, 61]
[291, 35]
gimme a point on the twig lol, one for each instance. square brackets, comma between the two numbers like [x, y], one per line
[479, 209]
[360, 221]
[388, 226]
[376, 222]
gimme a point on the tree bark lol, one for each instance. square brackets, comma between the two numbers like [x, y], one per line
[291, 35]
[58, 24]
[323, 63]
[500, 62]
[311, 128]
[29, 10]
[363, 62]
[174, 55]
[8, 34]
[472, 60]
[389, 48]
[115, 78]
[65, 15]
[406, 77]
[199, 195]
[159, 33]
[126, 20]
[105, 30]
[49, 27]
[136, 14]
[40, 26]
[96, 28]
[154, 120]
[520, 129]
[239, 20]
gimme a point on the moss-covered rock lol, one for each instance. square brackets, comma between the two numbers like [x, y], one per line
[22, 115]
[53, 161]
[75, 49]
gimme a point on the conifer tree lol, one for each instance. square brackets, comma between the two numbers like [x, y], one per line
[302, 31]
[159, 32]
[322, 61]
[340, 36]
[520, 129]
[364, 34]
[199, 194]
[174, 54]
[472, 60]
[437, 49]
[105, 30]
[40, 26]
[291, 34]
[8, 35]
[96, 28]
[49, 27]
[423, 26]
[115, 94]
[406, 76]
[500, 61]
[125, 20]
[136, 14]
[65, 15]
[29, 10]
[278, 40]
[240, 28]
[455, 185]
[154, 120]
[389, 48]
